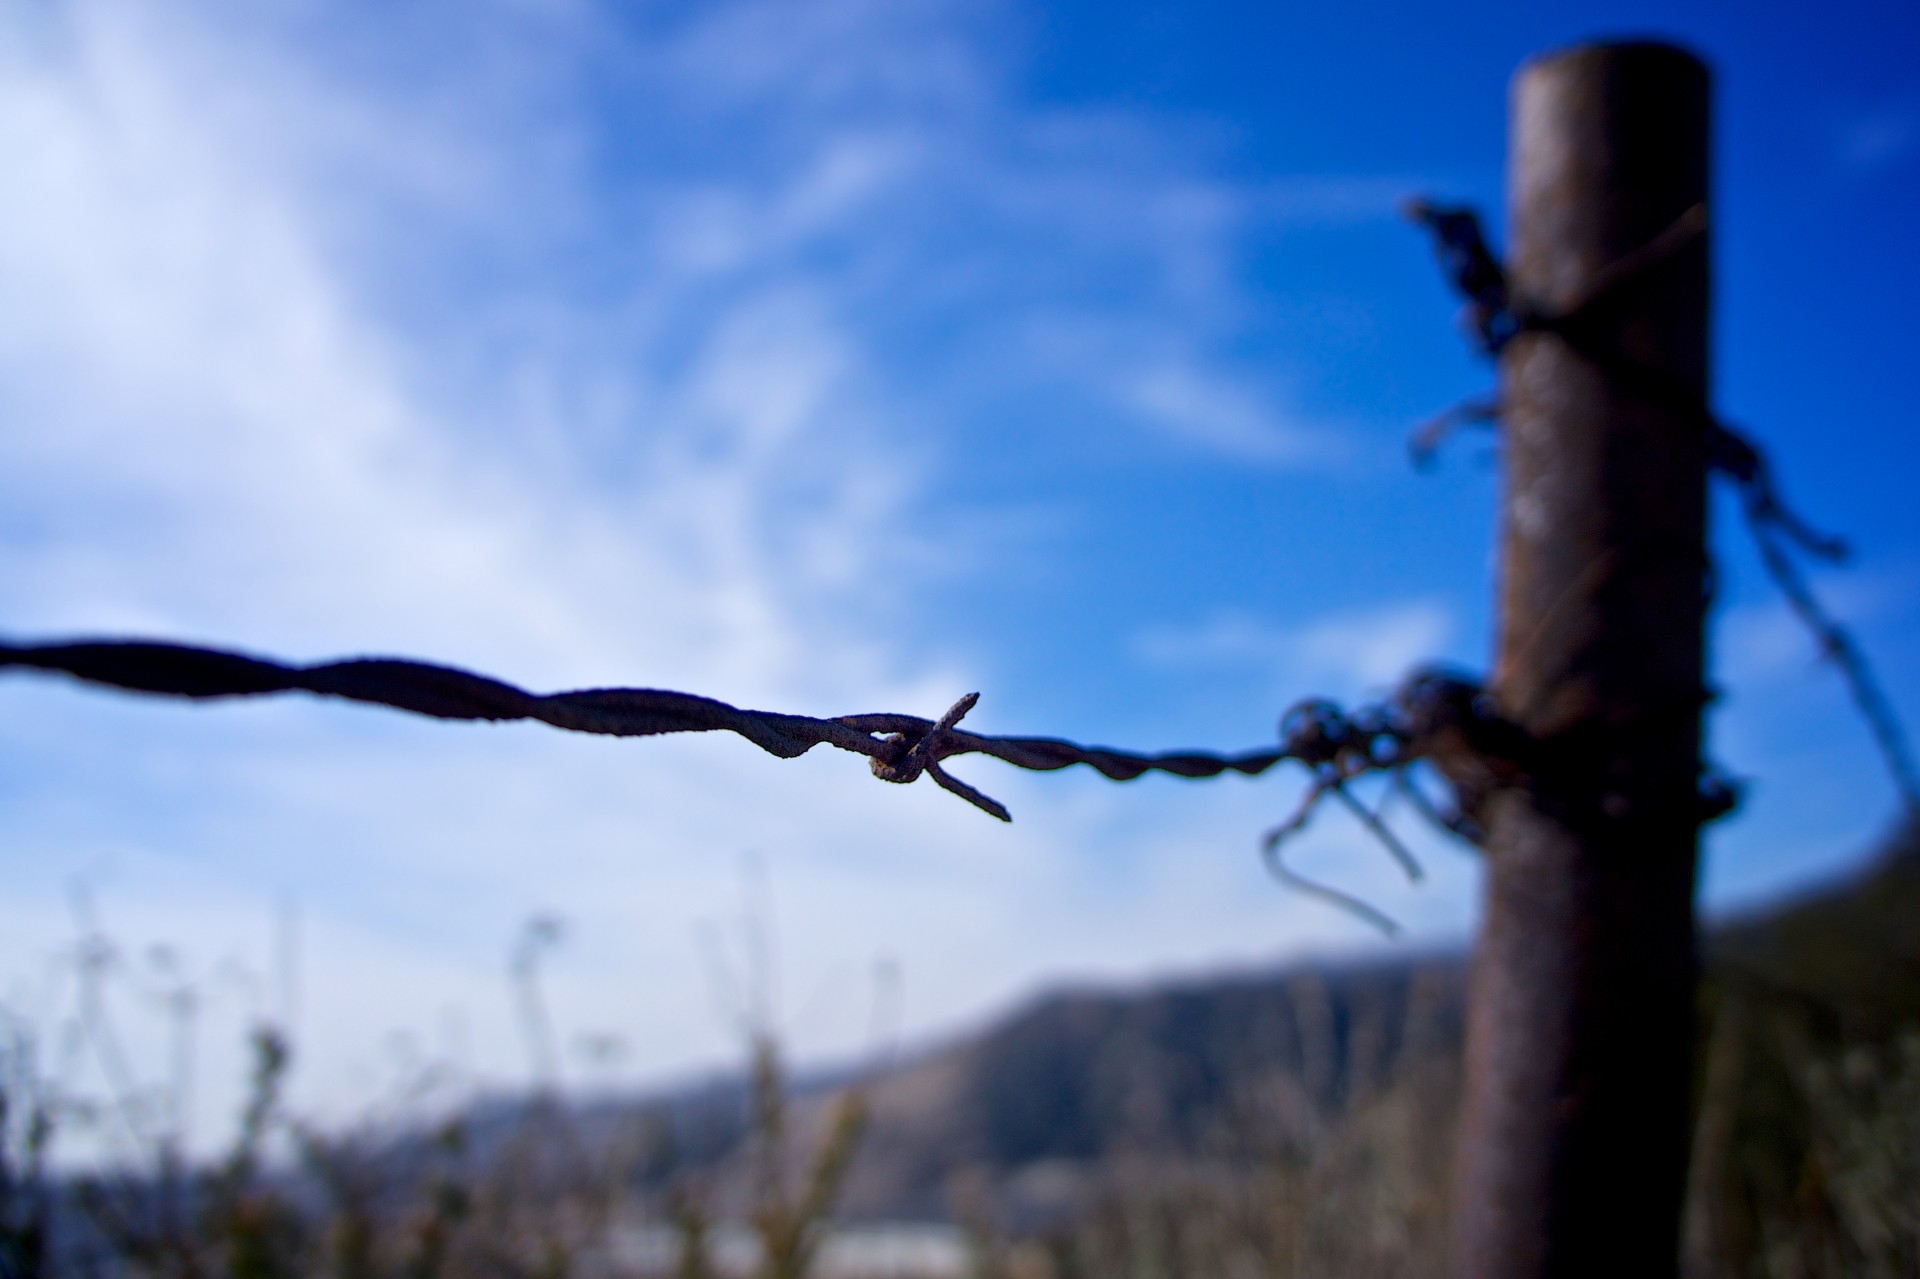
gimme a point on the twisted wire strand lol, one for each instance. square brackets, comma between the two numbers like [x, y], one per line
[1273, 843]
[1424, 445]
[1425, 719]
[1455, 822]
[1334, 783]
[1838, 646]
[899, 747]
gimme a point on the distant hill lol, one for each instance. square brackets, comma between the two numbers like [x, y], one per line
[1184, 1071]
[1851, 947]
[1208, 1068]
[1252, 1067]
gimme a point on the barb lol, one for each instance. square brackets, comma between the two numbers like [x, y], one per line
[1452, 820]
[1428, 718]
[1423, 446]
[1272, 842]
[1382, 832]
[1739, 459]
[1473, 269]
[1838, 646]
[900, 747]
[1496, 316]
[1436, 716]
[1774, 527]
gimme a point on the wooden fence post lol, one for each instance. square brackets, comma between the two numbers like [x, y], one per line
[1580, 1031]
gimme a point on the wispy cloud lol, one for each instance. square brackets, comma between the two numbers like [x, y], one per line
[574, 348]
[1878, 139]
[1342, 653]
[1765, 642]
[1220, 413]
[207, 364]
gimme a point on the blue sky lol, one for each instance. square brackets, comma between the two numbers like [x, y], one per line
[825, 355]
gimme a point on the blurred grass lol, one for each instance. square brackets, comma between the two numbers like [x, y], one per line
[1293, 1130]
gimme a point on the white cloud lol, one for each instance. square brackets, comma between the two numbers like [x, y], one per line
[1343, 653]
[1219, 413]
[200, 366]
[1879, 139]
[327, 337]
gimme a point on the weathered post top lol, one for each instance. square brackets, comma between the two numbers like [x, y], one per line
[1606, 514]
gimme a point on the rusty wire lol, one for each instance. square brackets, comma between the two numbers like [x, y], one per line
[899, 748]
[1429, 718]
[1424, 445]
[1495, 316]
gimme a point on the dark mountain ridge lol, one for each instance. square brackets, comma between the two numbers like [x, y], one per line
[1254, 1063]
[1254, 1066]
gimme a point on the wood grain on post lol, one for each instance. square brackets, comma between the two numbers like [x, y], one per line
[1574, 1141]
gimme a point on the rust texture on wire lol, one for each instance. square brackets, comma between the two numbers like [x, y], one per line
[899, 748]
[1436, 717]
[1494, 317]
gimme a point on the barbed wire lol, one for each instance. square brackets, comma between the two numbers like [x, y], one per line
[899, 748]
[1495, 316]
[1434, 715]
